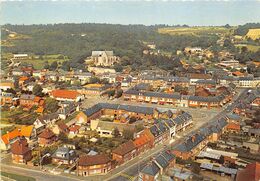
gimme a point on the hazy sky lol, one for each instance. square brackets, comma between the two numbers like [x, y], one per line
[131, 12]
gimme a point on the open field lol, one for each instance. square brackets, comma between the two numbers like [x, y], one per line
[252, 48]
[253, 34]
[36, 61]
[193, 30]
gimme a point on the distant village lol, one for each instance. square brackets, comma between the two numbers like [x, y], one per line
[202, 124]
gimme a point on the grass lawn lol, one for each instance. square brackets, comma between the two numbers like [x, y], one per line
[193, 30]
[17, 177]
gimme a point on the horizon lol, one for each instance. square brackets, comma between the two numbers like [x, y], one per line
[148, 13]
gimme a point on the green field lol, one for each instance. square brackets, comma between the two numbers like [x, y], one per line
[253, 48]
[17, 177]
[38, 63]
[193, 30]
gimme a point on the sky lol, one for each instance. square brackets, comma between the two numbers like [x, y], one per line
[193, 13]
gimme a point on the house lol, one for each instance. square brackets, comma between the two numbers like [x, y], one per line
[233, 127]
[104, 58]
[4, 85]
[47, 137]
[21, 153]
[9, 138]
[60, 128]
[250, 173]
[66, 95]
[124, 152]
[64, 155]
[157, 166]
[6, 98]
[45, 120]
[95, 89]
[142, 143]
[66, 109]
[150, 172]
[94, 164]
[73, 130]
[28, 101]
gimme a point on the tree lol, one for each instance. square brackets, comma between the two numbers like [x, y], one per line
[54, 65]
[116, 132]
[128, 134]
[110, 93]
[118, 68]
[119, 93]
[46, 65]
[195, 168]
[37, 90]
[94, 80]
[63, 137]
[51, 105]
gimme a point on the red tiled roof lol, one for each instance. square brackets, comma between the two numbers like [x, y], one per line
[66, 94]
[63, 127]
[74, 128]
[233, 126]
[142, 140]
[47, 133]
[124, 148]
[250, 173]
[11, 135]
[20, 147]
[90, 160]
[25, 131]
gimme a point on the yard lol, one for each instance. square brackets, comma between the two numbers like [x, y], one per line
[17, 177]
[253, 48]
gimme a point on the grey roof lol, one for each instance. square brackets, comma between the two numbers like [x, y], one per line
[27, 97]
[129, 108]
[161, 161]
[151, 169]
[182, 118]
[68, 153]
[47, 117]
[98, 53]
[234, 117]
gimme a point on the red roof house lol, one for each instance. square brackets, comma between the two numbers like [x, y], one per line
[250, 173]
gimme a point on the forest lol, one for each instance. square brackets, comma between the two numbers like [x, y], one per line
[76, 41]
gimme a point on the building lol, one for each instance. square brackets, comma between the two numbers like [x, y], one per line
[28, 101]
[20, 56]
[155, 168]
[9, 138]
[104, 58]
[21, 153]
[47, 137]
[66, 95]
[93, 165]
[64, 155]
[250, 173]
[4, 85]
[124, 152]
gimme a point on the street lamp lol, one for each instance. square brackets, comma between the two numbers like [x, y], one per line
[41, 158]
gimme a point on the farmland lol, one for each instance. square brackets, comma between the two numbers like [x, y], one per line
[253, 34]
[193, 30]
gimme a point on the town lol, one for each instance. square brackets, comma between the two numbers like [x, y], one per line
[189, 113]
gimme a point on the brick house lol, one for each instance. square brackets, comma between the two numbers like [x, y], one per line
[124, 152]
[47, 137]
[21, 153]
[94, 164]
[27, 100]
